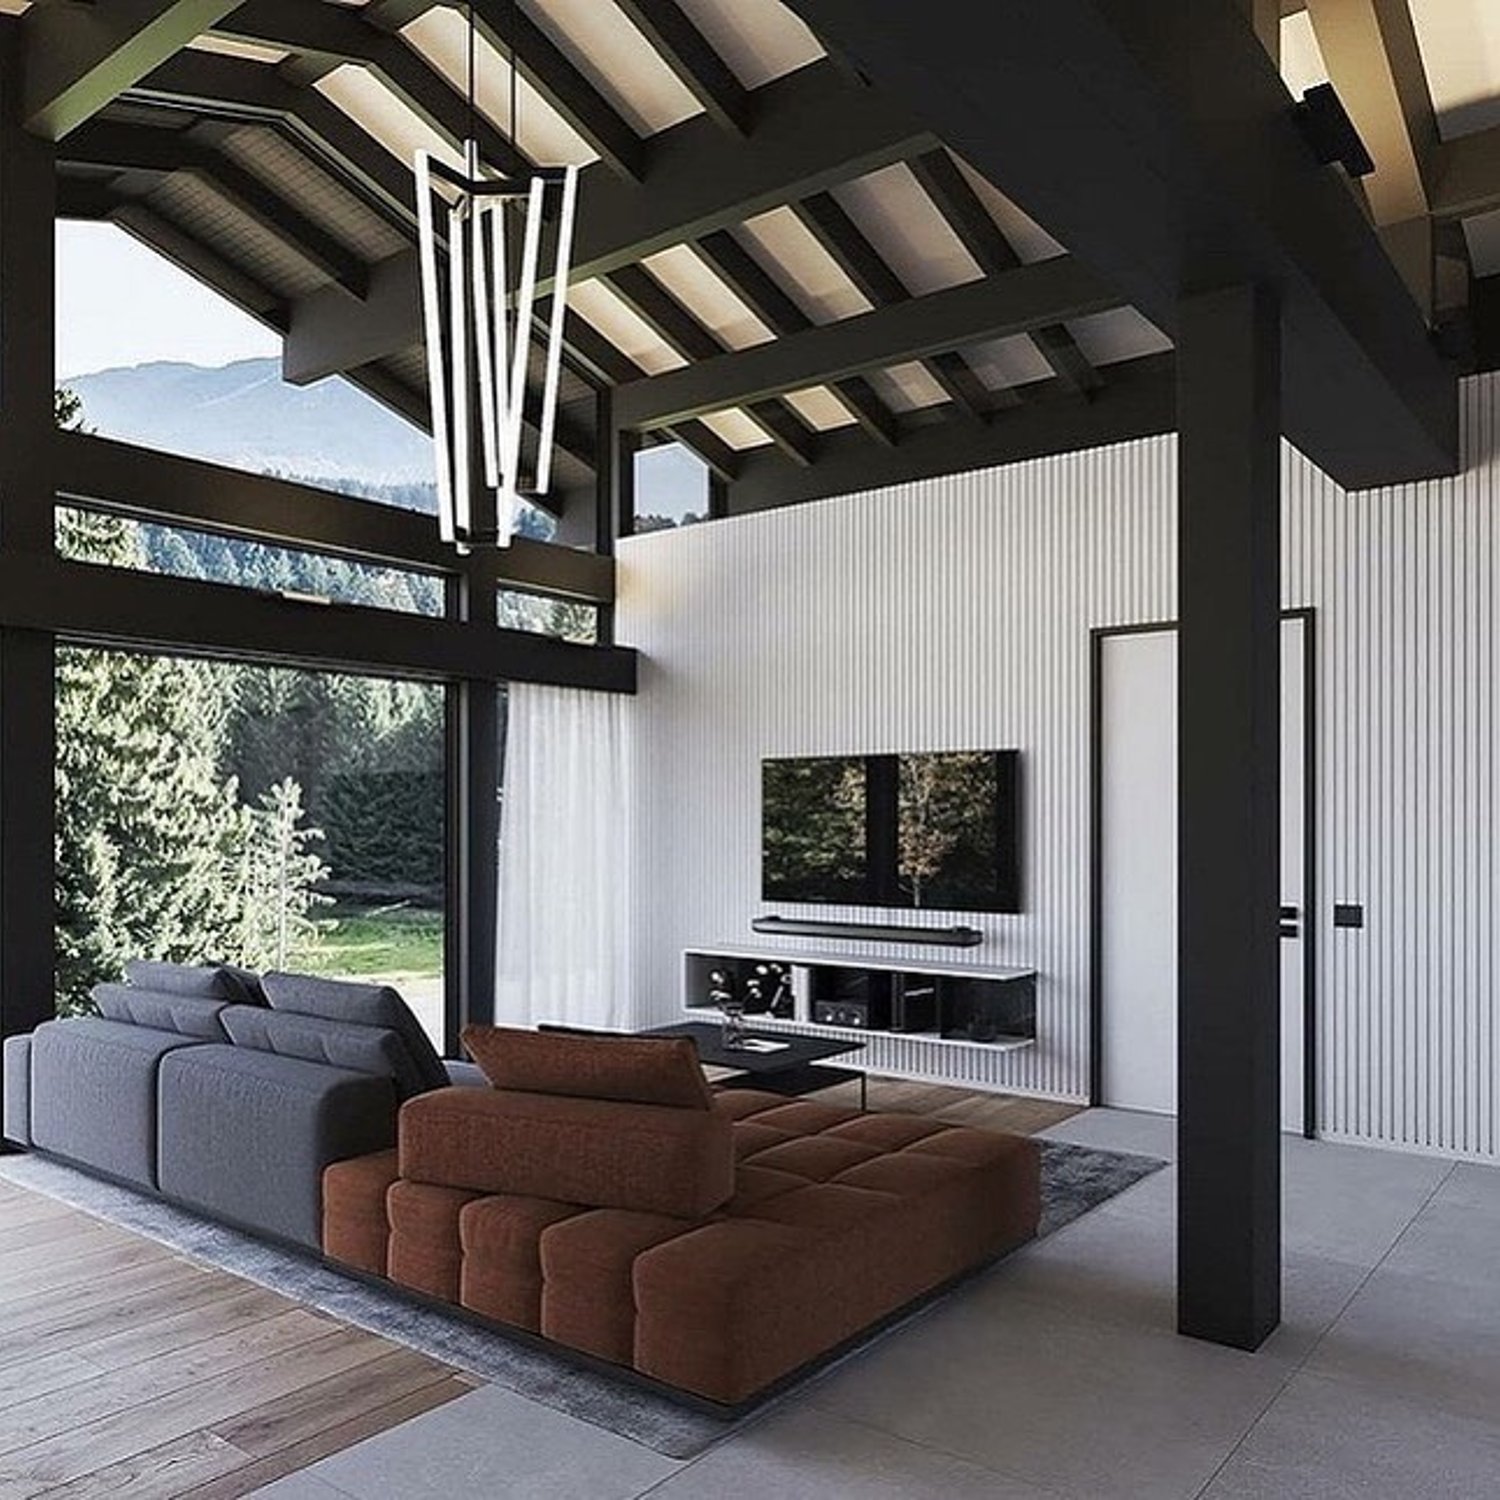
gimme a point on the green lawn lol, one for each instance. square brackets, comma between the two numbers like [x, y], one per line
[391, 941]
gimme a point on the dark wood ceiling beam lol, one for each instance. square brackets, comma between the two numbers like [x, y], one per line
[1375, 65]
[332, 36]
[161, 153]
[78, 58]
[843, 239]
[1156, 140]
[698, 67]
[1027, 298]
[207, 84]
[1139, 401]
[89, 198]
[722, 461]
[179, 247]
[543, 65]
[813, 128]
[680, 330]
[961, 207]
[963, 387]
[762, 294]
[549, 71]
[1468, 175]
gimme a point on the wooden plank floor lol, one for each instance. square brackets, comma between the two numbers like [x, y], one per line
[126, 1370]
[129, 1371]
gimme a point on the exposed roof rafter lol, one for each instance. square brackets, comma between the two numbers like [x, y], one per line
[687, 52]
[678, 328]
[814, 129]
[843, 239]
[1029, 297]
[79, 58]
[156, 153]
[954, 197]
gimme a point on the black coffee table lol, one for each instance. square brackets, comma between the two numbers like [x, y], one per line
[787, 1070]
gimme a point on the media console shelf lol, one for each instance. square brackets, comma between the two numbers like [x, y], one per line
[992, 1009]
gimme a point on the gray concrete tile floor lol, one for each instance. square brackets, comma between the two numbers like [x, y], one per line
[1059, 1376]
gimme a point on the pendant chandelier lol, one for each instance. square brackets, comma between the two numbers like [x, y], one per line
[480, 307]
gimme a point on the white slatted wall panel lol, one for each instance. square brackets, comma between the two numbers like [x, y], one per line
[950, 615]
[1409, 782]
[956, 614]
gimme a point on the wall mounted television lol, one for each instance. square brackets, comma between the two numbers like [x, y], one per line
[936, 831]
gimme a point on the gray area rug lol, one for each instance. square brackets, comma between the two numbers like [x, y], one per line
[1075, 1179]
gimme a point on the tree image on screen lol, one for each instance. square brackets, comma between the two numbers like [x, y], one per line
[946, 829]
[815, 830]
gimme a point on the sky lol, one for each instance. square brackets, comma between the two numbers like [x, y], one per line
[121, 304]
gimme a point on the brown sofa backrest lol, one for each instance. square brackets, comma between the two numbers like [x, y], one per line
[597, 1152]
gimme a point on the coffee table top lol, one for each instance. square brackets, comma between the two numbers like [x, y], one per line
[794, 1052]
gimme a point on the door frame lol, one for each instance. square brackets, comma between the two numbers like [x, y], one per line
[1097, 638]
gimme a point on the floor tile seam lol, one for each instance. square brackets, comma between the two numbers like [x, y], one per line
[1299, 1366]
[938, 1451]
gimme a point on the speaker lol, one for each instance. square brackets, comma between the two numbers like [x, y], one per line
[859, 998]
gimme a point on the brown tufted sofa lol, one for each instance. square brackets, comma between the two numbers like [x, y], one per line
[714, 1247]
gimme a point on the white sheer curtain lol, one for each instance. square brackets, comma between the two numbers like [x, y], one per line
[565, 860]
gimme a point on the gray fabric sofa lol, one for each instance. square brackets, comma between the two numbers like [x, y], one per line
[223, 1091]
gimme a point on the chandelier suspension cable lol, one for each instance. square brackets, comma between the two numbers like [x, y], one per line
[483, 315]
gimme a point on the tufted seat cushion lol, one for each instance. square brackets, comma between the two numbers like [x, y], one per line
[829, 1221]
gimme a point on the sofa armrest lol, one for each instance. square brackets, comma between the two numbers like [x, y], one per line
[16, 1123]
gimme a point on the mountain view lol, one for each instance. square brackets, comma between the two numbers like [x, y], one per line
[245, 416]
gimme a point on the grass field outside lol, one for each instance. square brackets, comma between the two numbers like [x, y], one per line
[393, 943]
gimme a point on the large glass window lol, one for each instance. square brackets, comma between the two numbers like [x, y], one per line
[181, 552]
[541, 614]
[267, 816]
[673, 487]
[176, 367]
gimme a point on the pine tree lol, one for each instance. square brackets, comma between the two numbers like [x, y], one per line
[280, 874]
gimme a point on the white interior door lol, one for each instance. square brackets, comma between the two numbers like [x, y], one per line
[1138, 834]
[1294, 914]
[1138, 869]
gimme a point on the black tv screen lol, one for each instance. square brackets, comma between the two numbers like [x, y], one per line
[938, 831]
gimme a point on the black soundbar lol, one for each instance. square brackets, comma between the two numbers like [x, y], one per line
[870, 932]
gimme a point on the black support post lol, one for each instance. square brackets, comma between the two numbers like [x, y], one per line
[27, 732]
[474, 835]
[1229, 1068]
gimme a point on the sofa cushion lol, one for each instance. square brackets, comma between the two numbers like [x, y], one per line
[593, 1152]
[245, 1136]
[355, 1226]
[94, 1093]
[223, 982]
[375, 1050]
[184, 1015]
[626, 1069]
[363, 1005]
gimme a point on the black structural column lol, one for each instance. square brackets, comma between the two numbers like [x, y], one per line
[1229, 795]
[474, 835]
[27, 733]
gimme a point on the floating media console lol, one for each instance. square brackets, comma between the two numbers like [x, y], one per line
[870, 932]
[991, 1009]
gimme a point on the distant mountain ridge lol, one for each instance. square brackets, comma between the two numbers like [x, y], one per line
[245, 416]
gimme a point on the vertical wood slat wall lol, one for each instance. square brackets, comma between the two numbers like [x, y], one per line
[955, 614]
